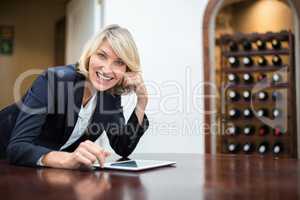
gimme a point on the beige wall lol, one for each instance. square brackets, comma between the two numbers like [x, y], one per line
[254, 16]
[34, 23]
[263, 16]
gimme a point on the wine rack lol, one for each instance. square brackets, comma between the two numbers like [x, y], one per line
[258, 114]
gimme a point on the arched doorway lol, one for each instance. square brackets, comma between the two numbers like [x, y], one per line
[209, 38]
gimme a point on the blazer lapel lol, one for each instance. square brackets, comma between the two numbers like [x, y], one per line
[73, 103]
[95, 127]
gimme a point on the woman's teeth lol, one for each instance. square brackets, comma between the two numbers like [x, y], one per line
[100, 75]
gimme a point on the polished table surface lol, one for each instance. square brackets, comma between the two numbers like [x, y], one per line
[194, 177]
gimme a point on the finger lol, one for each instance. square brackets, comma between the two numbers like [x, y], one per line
[106, 153]
[130, 83]
[97, 147]
[130, 74]
[127, 80]
[82, 160]
[92, 146]
[87, 154]
[101, 160]
[95, 150]
[134, 79]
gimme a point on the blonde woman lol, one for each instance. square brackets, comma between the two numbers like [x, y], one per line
[68, 108]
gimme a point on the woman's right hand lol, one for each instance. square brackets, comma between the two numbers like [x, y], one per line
[84, 156]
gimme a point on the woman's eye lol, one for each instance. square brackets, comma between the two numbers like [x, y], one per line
[120, 63]
[101, 55]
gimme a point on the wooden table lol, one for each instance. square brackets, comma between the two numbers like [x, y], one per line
[194, 177]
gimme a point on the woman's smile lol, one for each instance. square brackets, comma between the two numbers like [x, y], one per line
[103, 76]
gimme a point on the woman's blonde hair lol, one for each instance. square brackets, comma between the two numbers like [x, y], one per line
[123, 45]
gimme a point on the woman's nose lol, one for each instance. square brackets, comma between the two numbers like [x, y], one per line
[107, 67]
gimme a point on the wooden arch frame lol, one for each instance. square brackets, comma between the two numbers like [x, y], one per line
[211, 7]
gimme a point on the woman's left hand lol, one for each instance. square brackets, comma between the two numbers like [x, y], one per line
[135, 80]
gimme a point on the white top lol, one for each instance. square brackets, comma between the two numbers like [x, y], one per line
[84, 117]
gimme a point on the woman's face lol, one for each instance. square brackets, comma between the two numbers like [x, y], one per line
[106, 69]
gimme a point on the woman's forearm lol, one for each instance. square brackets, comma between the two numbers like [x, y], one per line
[140, 108]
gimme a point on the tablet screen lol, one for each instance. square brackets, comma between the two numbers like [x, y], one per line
[130, 163]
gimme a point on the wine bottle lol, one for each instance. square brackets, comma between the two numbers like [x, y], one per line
[277, 148]
[233, 78]
[246, 95]
[262, 112]
[233, 61]
[261, 77]
[263, 147]
[262, 96]
[232, 147]
[233, 95]
[247, 45]
[234, 113]
[247, 61]
[248, 130]
[276, 78]
[276, 96]
[278, 131]
[248, 148]
[233, 130]
[233, 46]
[263, 130]
[276, 60]
[276, 113]
[262, 61]
[276, 44]
[247, 78]
[260, 44]
[247, 113]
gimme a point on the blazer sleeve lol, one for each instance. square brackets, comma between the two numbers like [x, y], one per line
[124, 137]
[22, 149]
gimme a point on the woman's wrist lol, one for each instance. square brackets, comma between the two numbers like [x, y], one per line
[142, 102]
[140, 108]
[56, 159]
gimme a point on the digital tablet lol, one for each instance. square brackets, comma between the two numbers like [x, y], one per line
[136, 165]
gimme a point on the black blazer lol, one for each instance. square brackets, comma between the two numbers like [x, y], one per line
[45, 118]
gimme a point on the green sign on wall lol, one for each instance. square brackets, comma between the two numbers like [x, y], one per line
[6, 40]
